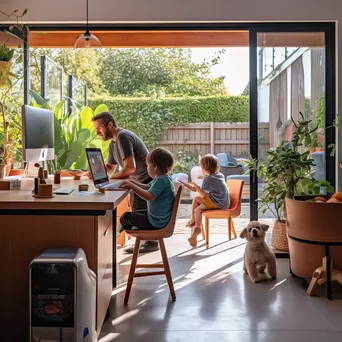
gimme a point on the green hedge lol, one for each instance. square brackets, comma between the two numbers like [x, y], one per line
[148, 118]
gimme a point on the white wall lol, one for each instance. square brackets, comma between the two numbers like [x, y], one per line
[187, 10]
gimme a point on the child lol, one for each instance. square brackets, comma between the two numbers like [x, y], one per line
[159, 194]
[213, 194]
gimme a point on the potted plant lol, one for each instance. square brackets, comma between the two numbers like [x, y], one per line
[287, 171]
[10, 131]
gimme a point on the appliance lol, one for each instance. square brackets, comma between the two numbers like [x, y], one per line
[62, 297]
[38, 136]
[98, 170]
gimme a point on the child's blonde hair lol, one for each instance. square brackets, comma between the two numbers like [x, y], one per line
[210, 163]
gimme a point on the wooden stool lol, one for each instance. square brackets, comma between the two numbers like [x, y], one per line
[320, 276]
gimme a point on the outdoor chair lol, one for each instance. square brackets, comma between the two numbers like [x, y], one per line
[235, 189]
[159, 235]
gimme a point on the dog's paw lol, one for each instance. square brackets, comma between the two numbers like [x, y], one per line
[256, 280]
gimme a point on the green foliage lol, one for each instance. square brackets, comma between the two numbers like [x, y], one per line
[158, 72]
[288, 172]
[6, 54]
[84, 64]
[147, 118]
[184, 162]
[73, 134]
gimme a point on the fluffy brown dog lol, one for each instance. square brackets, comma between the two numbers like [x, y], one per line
[258, 255]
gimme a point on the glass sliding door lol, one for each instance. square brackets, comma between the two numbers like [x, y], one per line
[292, 79]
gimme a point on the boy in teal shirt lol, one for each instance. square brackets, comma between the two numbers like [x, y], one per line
[159, 194]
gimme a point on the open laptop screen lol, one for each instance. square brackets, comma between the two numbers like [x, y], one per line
[97, 166]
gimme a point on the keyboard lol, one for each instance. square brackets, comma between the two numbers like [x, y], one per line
[63, 191]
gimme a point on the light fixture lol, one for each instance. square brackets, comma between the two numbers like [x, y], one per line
[87, 40]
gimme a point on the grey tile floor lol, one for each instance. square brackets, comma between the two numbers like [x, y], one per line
[216, 301]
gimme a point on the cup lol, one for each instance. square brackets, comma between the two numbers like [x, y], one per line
[45, 190]
[57, 178]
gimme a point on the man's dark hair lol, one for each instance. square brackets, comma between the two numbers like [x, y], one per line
[161, 158]
[106, 118]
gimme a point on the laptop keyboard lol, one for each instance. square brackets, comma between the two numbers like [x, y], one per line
[63, 191]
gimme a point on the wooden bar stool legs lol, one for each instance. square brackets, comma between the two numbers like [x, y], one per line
[165, 266]
[321, 275]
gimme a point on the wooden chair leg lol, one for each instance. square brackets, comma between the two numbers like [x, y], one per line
[229, 228]
[206, 225]
[132, 269]
[233, 228]
[121, 239]
[202, 231]
[317, 275]
[167, 268]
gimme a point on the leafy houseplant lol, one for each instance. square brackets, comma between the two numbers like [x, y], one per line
[287, 171]
[10, 131]
[73, 133]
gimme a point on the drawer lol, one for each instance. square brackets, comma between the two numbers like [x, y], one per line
[103, 222]
[104, 251]
[104, 294]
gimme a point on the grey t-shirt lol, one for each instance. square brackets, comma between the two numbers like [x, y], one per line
[127, 145]
[216, 186]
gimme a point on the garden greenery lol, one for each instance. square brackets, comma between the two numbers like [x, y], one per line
[147, 117]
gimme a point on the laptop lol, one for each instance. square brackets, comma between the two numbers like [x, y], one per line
[98, 170]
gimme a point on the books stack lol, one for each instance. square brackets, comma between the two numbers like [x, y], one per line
[11, 184]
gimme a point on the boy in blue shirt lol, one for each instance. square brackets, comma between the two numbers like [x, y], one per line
[159, 194]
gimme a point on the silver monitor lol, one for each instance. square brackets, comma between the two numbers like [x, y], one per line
[38, 134]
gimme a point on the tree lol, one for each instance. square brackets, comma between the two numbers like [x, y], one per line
[84, 64]
[155, 72]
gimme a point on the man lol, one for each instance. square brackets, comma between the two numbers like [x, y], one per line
[129, 152]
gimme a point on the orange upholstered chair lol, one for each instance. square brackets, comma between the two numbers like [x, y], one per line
[235, 189]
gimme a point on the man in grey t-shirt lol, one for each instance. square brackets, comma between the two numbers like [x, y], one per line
[128, 151]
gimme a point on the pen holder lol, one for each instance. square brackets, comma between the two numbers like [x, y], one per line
[45, 190]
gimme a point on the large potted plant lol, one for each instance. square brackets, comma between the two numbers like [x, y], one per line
[10, 130]
[287, 172]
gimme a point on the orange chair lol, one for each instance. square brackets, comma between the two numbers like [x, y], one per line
[160, 235]
[235, 189]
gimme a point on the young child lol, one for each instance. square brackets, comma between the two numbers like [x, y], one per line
[213, 194]
[159, 194]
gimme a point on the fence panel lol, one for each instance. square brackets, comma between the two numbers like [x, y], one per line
[214, 137]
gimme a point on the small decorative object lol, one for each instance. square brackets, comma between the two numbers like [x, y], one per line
[11, 184]
[45, 190]
[46, 174]
[83, 187]
[102, 191]
[57, 178]
[77, 173]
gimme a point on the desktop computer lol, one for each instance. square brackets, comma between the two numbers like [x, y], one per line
[38, 138]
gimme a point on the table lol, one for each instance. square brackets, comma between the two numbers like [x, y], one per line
[29, 225]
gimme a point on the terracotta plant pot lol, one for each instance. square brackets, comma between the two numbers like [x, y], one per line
[279, 236]
[312, 221]
[2, 170]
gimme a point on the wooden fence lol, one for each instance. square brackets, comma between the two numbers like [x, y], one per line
[214, 137]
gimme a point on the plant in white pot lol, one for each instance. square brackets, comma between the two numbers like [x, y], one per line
[287, 171]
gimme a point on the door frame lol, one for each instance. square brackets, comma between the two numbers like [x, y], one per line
[328, 29]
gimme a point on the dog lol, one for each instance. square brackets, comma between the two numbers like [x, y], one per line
[257, 254]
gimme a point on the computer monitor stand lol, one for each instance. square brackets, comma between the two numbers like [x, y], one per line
[31, 171]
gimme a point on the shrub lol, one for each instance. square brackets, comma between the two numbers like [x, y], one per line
[147, 117]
